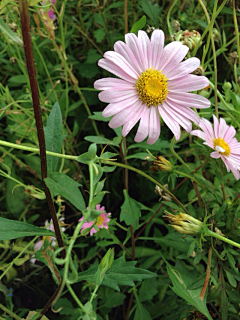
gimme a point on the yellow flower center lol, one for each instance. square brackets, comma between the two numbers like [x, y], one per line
[221, 146]
[100, 220]
[152, 87]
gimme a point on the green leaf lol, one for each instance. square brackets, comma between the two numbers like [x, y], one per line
[98, 116]
[60, 183]
[141, 313]
[53, 136]
[182, 279]
[96, 139]
[45, 255]
[224, 304]
[15, 198]
[120, 273]
[99, 35]
[152, 11]
[138, 25]
[140, 155]
[148, 290]
[130, 212]
[12, 229]
[157, 146]
[9, 33]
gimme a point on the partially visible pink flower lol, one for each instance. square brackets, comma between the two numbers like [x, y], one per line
[50, 12]
[221, 139]
[38, 245]
[101, 221]
[152, 83]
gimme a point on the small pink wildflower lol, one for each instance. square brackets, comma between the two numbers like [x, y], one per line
[221, 139]
[101, 221]
[38, 245]
[50, 12]
[153, 82]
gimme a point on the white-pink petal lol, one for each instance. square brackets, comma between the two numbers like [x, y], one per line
[116, 96]
[122, 48]
[170, 122]
[112, 83]
[184, 68]
[169, 52]
[191, 100]
[157, 42]
[121, 62]
[188, 83]
[133, 120]
[111, 67]
[116, 107]
[142, 131]
[154, 126]
[215, 155]
[175, 60]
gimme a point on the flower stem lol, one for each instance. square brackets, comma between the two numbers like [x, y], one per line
[12, 314]
[175, 153]
[147, 177]
[236, 28]
[28, 49]
[213, 49]
[222, 238]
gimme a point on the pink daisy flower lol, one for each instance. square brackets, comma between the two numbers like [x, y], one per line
[101, 221]
[153, 82]
[221, 139]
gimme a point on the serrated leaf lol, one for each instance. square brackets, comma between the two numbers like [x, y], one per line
[148, 290]
[181, 279]
[9, 33]
[138, 25]
[12, 229]
[53, 136]
[130, 212]
[120, 273]
[60, 184]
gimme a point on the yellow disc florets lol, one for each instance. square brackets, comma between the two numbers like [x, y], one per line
[221, 146]
[100, 220]
[152, 87]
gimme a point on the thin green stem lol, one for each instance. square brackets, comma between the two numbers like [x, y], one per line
[176, 155]
[17, 257]
[222, 238]
[210, 25]
[79, 303]
[12, 314]
[213, 49]
[36, 150]
[222, 99]
[147, 177]
[236, 28]
[168, 18]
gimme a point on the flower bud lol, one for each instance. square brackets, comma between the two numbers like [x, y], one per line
[216, 35]
[227, 86]
[107, 261]
[184, 223]
[190, 39]
[161, 164]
